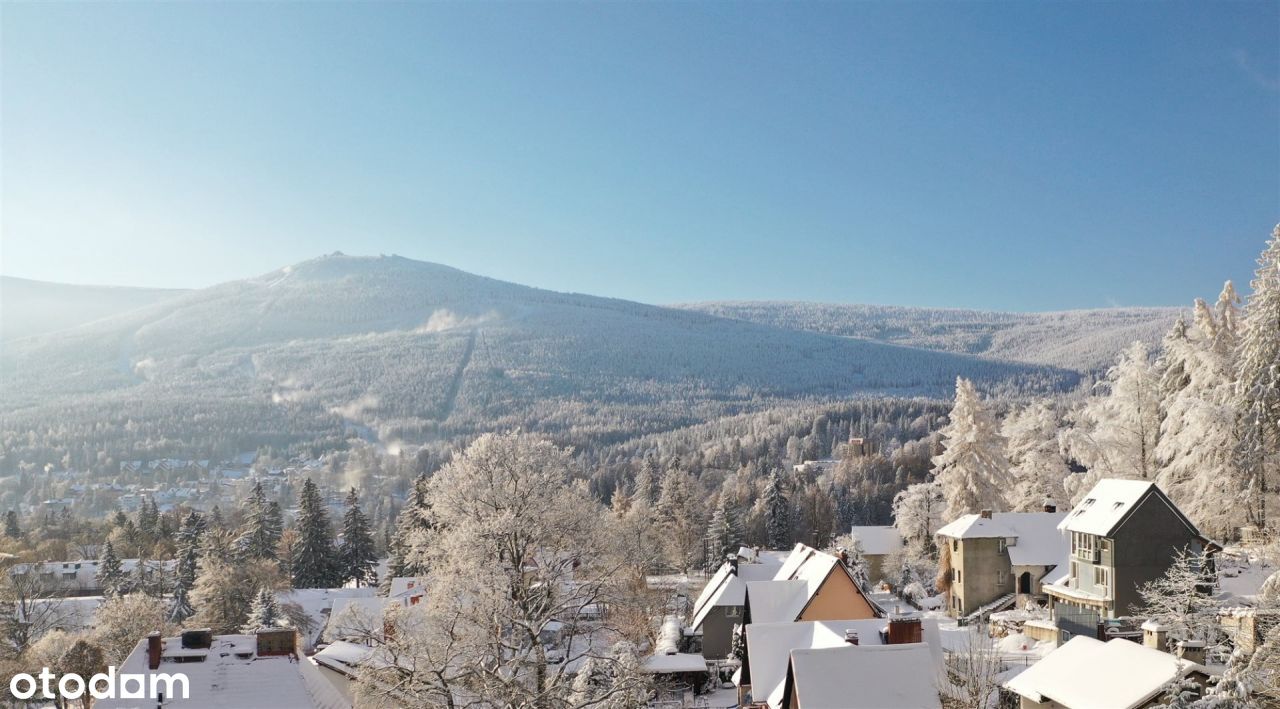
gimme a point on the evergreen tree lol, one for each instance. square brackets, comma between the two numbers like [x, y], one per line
[414, 520]
[264, 613]
[148, 518]
[358, 556]
[777, 512]
[679, 513]
[314, 563]
[11, 525]
[1258, 379]
[111, 576]
[189, 539]
[723, 534]
[260, 533]
[972, 470]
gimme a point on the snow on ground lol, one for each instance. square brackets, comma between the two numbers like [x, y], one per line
[1241, 572]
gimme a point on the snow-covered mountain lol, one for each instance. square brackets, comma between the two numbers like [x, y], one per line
[406, 349]
[1082, 340]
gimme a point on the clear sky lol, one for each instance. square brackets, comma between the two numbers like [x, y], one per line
[1022, 156]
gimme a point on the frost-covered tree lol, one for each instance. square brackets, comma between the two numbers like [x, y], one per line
[680, 518]
[415, 519]
[190, 536]
[121, 621]
[358, 555]
[313, 563]
[1198, 433]
[1182, 599]
[777, 512]
[1258, 377]
[917, 514]
[11, 529]
[111, 576]
[972, 470]
[723, 534]
[519, 550]
[264, 613]
[1116, 432]
[260, 532]
[1035, 457]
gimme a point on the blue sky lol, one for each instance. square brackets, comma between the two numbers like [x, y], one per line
[1025, 156]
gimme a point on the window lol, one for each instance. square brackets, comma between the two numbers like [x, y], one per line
[1000, 578]
[1101, 576]
[1002, 546]
[955, 545]
[732, 612]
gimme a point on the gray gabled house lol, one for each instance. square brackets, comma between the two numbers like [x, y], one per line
[1123, 534]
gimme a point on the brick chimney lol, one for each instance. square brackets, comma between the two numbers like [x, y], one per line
[985, 514]
[844, 556]
[733, 564]
[1049, 506]
[1191, 651]
[155, 644]
[905, 629]
[851, 636]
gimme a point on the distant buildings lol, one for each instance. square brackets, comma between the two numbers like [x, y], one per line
[877, 543]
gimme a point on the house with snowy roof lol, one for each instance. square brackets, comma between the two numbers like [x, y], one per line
[861, 677]
[1123, 534]
[771, 648]
[1085, 673]
[264, 669]
[877, 544]
[998, 557]
[810, 585]
[719, 607]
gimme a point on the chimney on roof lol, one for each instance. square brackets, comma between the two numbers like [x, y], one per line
[732, 559]
[851, 636]
[1191, 651]
[1048, 505]
[905, 629]
[844, 556]
[154, 645]
[985, 514]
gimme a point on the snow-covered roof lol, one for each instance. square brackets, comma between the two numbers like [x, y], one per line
[69, 614]
[886, 677]
[675, 662]
[318, 604]
[1037, 540]
[1117, 674]
[769, 647]
[404, 586]
[729, 589]
[1109, 503]
[777, 601]
[877, 540]
[343, 656]
[231, 675]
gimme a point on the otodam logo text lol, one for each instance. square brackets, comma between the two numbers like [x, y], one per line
[104, 685]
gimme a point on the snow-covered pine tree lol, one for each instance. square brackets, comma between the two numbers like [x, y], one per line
[1035, 457]
[264, 613]
[1258, 377]
[777, 513]
[972, 470]
[723, 534]
[414, 520]
[111, 576]
[680, 516]
[358, 555]
[260, 533]
[314, 563]
[11, 529]
[189, 538]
